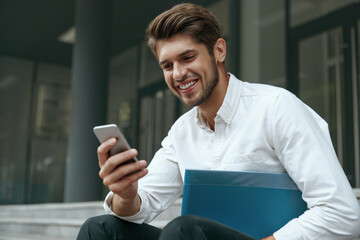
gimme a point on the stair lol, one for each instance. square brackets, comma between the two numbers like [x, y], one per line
[60, 221]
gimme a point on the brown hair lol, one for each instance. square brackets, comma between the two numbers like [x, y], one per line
[187, 18]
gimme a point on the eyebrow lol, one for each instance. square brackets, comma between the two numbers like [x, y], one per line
[179, 55]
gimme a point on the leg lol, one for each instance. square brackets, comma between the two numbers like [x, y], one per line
[199, 228]
[113, 228]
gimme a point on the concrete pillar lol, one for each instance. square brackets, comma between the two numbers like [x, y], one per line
[89, 94]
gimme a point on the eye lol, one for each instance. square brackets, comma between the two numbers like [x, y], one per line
[189, 57]
[167, 66]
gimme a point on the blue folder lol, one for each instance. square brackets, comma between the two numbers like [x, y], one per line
[257, 204]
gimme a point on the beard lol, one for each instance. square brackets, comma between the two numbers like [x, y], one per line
[207, 89]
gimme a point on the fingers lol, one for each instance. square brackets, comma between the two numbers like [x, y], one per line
[120, 172]
[123, 181]
[103, 150]
[123, 186]
[115, 161]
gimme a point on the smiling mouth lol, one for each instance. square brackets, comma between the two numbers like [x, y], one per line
[187, 85]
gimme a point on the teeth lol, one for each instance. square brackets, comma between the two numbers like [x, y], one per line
[186, 86]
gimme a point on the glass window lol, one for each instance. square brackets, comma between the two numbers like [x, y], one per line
[150, 69]
[221, 10]
[305, 11]
[15, 103]
[159, 119]
[262, 42]
[146, 128]
[157, 114]
[50, 136]
[321, 79]
[47, 170]
[122, 93]
[170, 114]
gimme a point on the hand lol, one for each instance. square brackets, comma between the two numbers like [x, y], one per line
[269, 238]
[122, 180]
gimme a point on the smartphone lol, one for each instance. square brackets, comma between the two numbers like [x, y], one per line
[105, 132]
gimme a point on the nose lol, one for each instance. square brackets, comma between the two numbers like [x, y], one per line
[179, 72]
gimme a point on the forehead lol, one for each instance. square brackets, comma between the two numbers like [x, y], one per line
[176, 45]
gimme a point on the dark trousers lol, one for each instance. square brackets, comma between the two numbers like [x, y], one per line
[181, 228]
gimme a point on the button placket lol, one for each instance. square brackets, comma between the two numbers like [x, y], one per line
[218, 142]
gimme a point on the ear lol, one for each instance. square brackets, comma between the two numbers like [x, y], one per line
[220, 50]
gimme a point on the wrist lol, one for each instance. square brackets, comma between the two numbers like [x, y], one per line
[125, 207]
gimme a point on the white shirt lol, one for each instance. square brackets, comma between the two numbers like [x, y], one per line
[258, 128]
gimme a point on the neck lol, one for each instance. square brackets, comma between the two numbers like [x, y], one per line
[212, 105]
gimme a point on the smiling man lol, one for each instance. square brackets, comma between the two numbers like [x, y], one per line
[234, 125]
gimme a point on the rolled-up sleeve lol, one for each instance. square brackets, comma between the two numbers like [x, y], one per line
[303, 145]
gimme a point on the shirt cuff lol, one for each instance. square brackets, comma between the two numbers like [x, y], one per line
[138, 218]
[289, 232]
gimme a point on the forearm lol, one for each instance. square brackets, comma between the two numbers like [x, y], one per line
[125, 208]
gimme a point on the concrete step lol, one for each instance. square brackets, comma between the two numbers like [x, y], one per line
[16, 236]
[46, 221]
[58, 221]
[53, 210]
[62, 221]
[39, 229]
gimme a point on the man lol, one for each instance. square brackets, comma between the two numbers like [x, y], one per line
[234, 126]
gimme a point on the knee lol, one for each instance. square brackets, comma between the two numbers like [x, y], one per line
[180, 226]
[181, 222]
[96, 226]
[94, 222]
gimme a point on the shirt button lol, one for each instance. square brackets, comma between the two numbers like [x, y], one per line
[216, 165]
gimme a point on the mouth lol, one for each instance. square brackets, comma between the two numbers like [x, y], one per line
[187, 86]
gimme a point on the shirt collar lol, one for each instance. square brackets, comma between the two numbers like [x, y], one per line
[230, 104]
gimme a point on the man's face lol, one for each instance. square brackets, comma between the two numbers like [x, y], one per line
[189, 70]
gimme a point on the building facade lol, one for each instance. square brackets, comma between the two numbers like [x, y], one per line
[48, 106]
